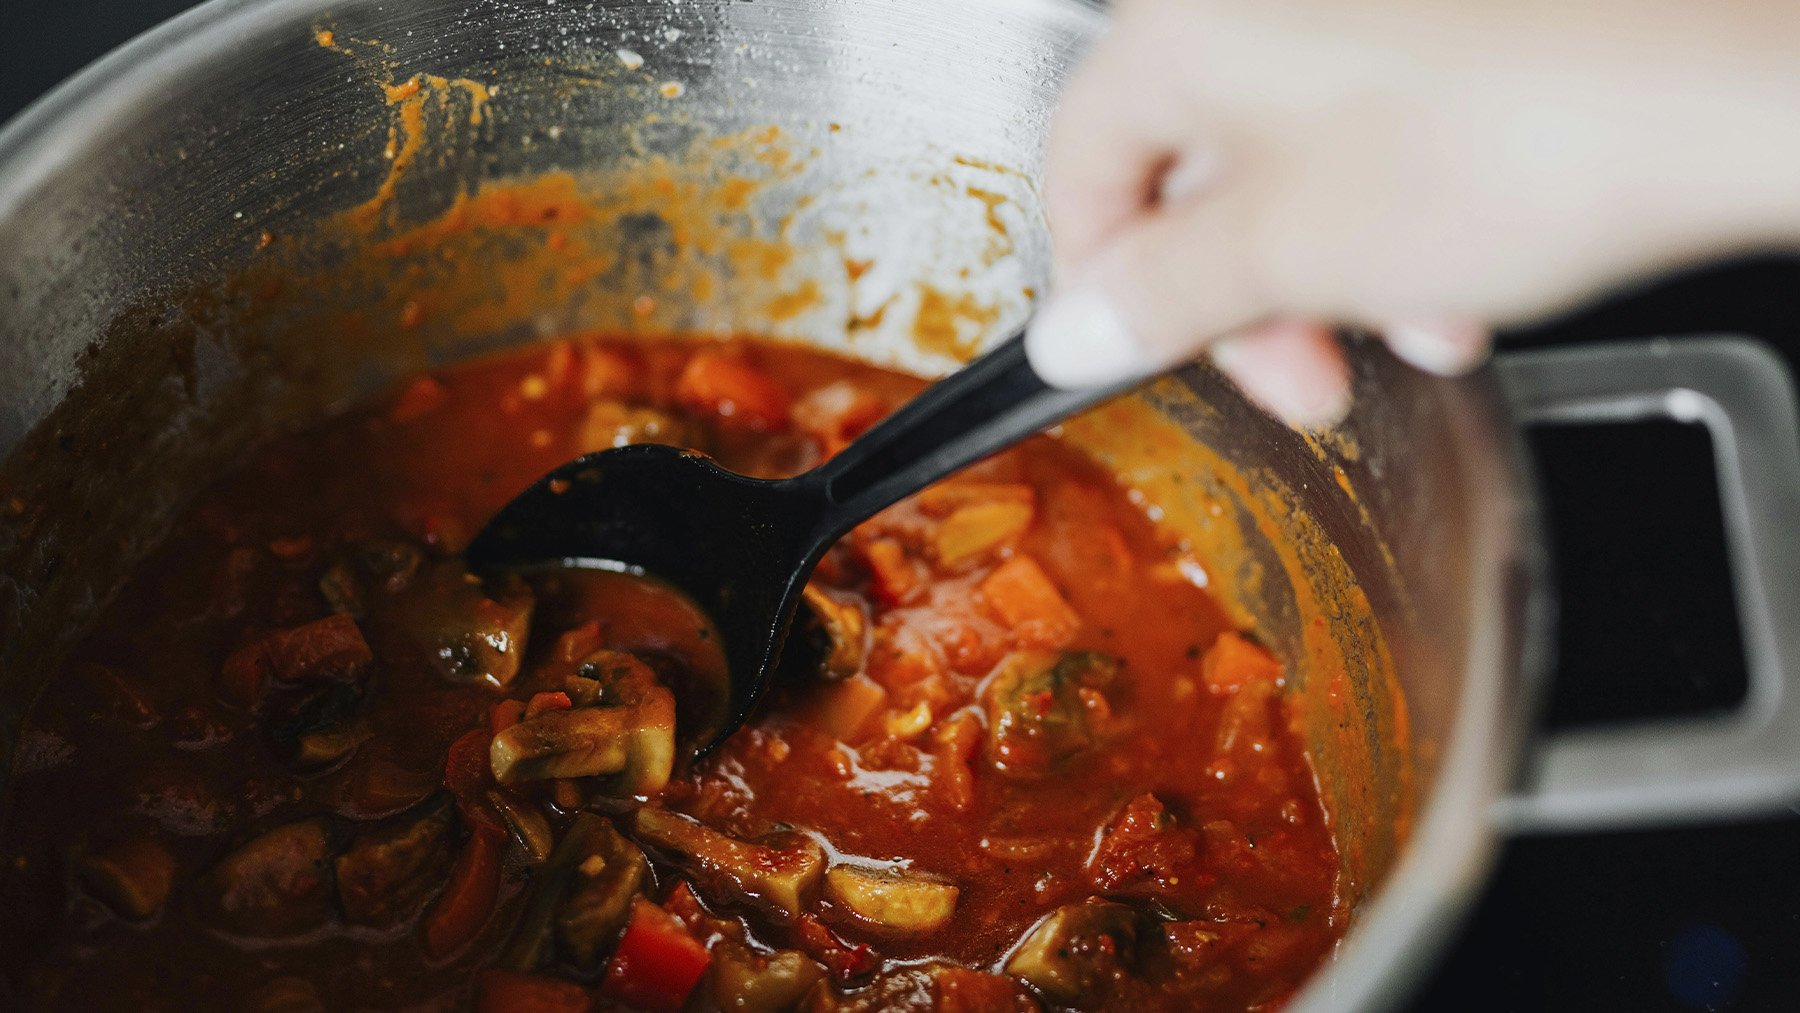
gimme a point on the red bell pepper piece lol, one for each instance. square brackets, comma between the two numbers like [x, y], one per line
[657, 963]
[468, 773]
[469, 899]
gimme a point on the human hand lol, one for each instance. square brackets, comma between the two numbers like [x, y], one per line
[1232, 177]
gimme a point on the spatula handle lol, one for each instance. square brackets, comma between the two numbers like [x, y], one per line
[987, 405]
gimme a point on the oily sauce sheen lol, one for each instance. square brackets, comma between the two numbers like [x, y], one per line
[308, 761]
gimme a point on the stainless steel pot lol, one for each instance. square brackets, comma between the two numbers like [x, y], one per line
[202, 239]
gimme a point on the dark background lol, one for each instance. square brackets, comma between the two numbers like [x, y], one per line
[1701, 918]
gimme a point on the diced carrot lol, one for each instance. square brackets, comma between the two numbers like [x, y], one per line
[502, 991]
[1022, 596]
[553, 701]
[842, 708]
[420, 398]
[893, 575]
[1234, 661]
[657, 962]
[975, 531]
[469, 899]
[945, 498]
[504, 715]
[732, 389]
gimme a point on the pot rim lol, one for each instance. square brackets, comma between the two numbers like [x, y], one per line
[1414, 912]
[1410, 915]
[52, 130]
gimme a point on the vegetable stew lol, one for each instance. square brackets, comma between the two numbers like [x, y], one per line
[1018, 758]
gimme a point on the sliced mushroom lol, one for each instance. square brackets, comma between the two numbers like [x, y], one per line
[468, 629]
[780, 877]
[1043, 708]
[1076, 949]
[599, 899]
[581, 897]
[321, 729]
[320, 749]
[628, 731]
[931, 986]
[580, 742]
[895, 901]
[132, 877]
[368, 570]
[277, 884]
[742, 979]
[387, 872]
[845, 630]
[527, 823]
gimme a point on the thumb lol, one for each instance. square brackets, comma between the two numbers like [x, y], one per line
[1156, 295]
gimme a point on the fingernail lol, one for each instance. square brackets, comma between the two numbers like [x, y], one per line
[1299, 390]
[1080, 339]
[1447, 348]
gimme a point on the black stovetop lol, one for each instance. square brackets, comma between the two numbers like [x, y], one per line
[1699, 918]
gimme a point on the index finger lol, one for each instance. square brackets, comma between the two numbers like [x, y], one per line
[1115, 134]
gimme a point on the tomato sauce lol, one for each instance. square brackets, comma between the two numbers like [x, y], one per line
[307, 760]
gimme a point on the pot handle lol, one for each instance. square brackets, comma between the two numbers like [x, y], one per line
[1747, 761]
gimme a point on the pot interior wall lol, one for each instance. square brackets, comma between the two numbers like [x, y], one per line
[333, 201]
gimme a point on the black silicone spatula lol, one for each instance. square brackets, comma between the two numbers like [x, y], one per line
[742, 548]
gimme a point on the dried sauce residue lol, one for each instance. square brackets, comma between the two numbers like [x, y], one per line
[789, 305]
[1000, 242]
[952, 325]
[408, 126]
[639, 248]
